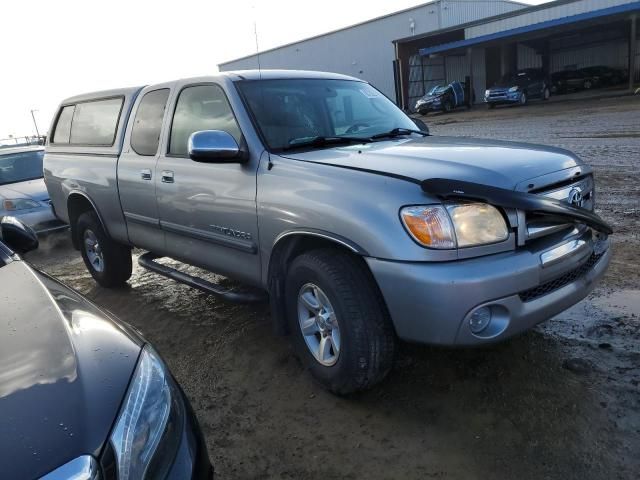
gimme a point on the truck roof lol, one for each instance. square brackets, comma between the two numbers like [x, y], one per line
[237, 75]
[114, 92]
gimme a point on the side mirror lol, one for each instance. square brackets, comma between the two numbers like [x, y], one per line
[421, 125]
[17, 236]
[214, 146]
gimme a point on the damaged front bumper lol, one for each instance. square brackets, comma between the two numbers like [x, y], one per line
[433, 302]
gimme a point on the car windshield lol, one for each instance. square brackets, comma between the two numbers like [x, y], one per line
[20, 166]
[290, 111]
[437, 89]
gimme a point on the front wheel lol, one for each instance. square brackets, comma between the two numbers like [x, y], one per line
[523, 99]
[340, 327]
[108, 262]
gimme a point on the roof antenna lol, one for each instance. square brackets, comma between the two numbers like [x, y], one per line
[255, 33]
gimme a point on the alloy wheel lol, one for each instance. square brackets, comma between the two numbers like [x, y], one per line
[319, 324]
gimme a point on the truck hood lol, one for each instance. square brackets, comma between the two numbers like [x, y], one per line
[495, 163]
[32, 189]
[64, 370]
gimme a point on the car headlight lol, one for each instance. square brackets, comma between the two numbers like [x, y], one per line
[455, 225]
[513, 89]
[14, 204]
[147, 432]
[487, 93]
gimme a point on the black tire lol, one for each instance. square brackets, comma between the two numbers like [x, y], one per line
[367, 339]
[546, 93]
[524, 99]
[116, 264]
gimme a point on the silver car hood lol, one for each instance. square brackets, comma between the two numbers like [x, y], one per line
[32, 189]
[490, 162]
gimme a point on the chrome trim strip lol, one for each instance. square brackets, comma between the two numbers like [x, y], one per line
[342, 241]
[243, 245]
[555, 255]
[81, 468]
[541, 230]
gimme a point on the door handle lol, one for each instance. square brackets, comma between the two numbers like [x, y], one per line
[167, 176]
[145, 173]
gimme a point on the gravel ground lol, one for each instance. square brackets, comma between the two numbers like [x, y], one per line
[559, 402]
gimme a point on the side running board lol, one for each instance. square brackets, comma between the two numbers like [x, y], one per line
[231, 295]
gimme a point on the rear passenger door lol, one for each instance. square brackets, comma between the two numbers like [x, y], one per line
[137, 166]
[207, 210]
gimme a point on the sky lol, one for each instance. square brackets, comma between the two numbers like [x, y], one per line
[53, 49]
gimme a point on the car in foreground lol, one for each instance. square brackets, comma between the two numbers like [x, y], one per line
[518, 88]
[82, 395]
[443, 98]
[23, 193]
[316, 190]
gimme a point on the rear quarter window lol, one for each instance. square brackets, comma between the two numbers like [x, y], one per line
[96, 122]
[147, 125]
[62, 130]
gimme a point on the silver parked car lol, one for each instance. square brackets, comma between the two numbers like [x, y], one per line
[23, 193]
[316, 189]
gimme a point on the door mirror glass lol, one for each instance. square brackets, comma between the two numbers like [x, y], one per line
[17, 236]
[213, 146]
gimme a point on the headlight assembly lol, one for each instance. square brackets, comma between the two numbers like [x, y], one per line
[19, 204]
[514, 89]
[147, 432]
[455, 225]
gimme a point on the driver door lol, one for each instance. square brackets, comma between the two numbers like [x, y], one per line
[207, 210]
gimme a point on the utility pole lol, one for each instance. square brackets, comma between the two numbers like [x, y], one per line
[35, 124]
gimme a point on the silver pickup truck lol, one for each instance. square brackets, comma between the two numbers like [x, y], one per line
[317, 190]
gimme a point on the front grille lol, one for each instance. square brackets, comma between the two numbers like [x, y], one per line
[540, 225]
[566, 279]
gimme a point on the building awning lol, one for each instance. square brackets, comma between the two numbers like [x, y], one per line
[629, 7]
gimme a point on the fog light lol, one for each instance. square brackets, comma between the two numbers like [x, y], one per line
[480, 319]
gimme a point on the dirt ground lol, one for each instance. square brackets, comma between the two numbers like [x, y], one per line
[559, 402]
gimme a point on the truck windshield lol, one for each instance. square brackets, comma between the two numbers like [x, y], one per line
[287, 111]
[20, 166]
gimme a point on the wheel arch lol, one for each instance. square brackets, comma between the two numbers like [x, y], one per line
[77, 204]
[286, 247]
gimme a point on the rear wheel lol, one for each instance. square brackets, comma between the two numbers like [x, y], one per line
[340, 327]
[108, 262]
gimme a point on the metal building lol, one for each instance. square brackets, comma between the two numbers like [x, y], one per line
[555, 36]
[366, 50]
[406, 53]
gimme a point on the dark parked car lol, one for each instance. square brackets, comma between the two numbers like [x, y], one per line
[23, 193]
[518, 88]
[571, 81]
[82, 395]
[603, 76]
[443, 98]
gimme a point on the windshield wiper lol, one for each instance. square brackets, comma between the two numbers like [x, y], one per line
[396, 132]
[321, 141]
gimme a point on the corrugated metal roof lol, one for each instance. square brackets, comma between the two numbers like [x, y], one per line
[628, 7]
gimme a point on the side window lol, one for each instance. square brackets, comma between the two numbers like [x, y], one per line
[145, 134]
[96, 122]
[62, 132]
[201, 107]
